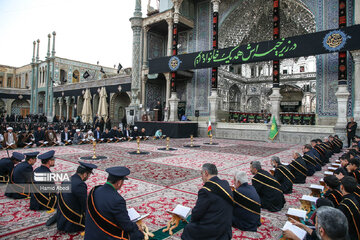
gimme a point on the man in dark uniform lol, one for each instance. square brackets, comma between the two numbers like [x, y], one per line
[283, 175]
[22, 174]
[310, 161]
[7, 166]
[39, 199]
[269, 190]
[350, 206]
[298, 168]
[247, 208]
[72, 205]
[106, 213]
[212, 215]
[333, 192]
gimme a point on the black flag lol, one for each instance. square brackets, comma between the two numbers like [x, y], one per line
[119, 68]
[86, 74]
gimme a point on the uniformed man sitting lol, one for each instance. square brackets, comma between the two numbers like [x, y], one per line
[310, 161]
[7, 166]
[20, 180]
[333, 192]
[247, 208]
[212, 215]
[298, 168]
[350, 206]
[39, 199]
[283, 175]
[269, 190]
[106, 213]
[72, 205]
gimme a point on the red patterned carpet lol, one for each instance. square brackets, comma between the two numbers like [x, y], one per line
[158, 182]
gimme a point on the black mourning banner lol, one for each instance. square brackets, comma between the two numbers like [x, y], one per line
[336, 40]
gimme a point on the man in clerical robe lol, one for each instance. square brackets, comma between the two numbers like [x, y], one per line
[269, 190]
[298, 168]
[50, 137]
[350, 206]
[212, 215]
[10, 139]
[247, 208]
[283, 175]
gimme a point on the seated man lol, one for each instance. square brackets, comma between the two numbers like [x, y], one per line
[269, 190]
[330, 224]
[74, 201]
[39, 199]
[338, 144]
[119, 135]
[143, 135]
[22, 174]
[333, 192]
[318, 152]
[342, 170]
[353, 169]
[114, 133]
[78, 137]
[66, 137]
[350, 206]
[89, 138]
[283, 175]
[159, 134]
[247, 208]
[310, 161]
[39, 136]
[135, 133]
[50, 137]
[106, 213]
[10, 139]
[127, 133]
[210, 220]
[97, 134]
[106, 136]
[7, 166]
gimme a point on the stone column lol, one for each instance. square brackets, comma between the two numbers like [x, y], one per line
[32, 77]
[213, 98]
[68, 100]
[133, 111]
[47, 100]
[356, 83]
[275, 99]
[174, 101]
[60, 107]
[143, 84]
[53, 107]
[145, 50]
[53, 47]
[36, 105]
[167, 75]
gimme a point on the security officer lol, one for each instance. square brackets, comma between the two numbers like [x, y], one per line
[7, 166]
[22, 174]
[106, 213]
[72, 205]
[39, 199]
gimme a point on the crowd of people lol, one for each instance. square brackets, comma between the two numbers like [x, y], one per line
[102, 213]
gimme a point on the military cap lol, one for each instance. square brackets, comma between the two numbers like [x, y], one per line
[88, 166]
[119, 172]
[31, 154]
[18, 156]
[48, 155]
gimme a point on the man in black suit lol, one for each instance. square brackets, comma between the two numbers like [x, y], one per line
[39, 136]
[97, 134]
[66, 137]
[212, 215]
[72, 205]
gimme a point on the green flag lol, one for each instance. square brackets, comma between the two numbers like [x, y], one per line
[274, 129]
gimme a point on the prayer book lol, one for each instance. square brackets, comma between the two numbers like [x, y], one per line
[332, 169]
[336, 165]
[300, 233]
[181, 211]
[309, 198]
[315, 186]
[297, 213]
[328, 173]
[135, 216]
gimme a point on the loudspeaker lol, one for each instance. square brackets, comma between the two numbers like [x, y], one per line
[197, 113]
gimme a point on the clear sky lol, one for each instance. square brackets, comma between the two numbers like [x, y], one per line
[86, 30]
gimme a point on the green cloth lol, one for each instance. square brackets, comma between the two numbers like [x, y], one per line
[110, 185]
[159, 234]
[274, 129]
